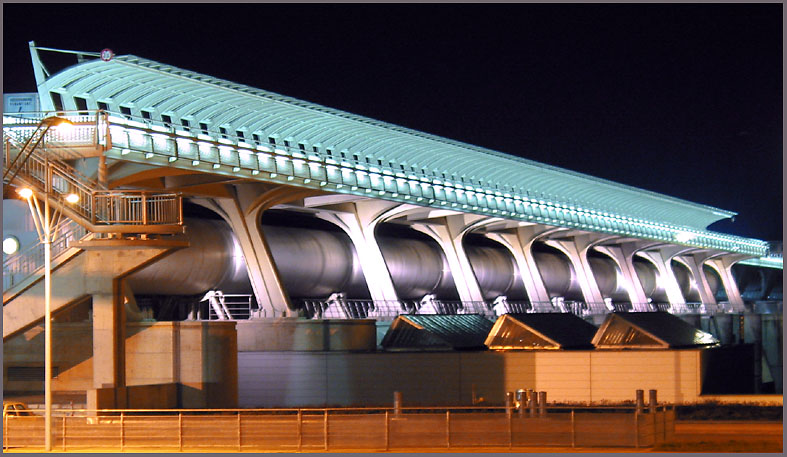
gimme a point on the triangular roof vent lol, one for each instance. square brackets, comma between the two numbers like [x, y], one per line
[649, 330]
[437, 332]
[540, 331]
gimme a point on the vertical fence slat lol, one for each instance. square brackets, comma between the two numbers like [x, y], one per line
[387, 431]
[448, 429]
[325, 428]
[300, 430]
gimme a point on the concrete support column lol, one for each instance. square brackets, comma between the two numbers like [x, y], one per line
[103, 274]
[520, 243]
[576, 250]
[360, 224]
[723, 265]
[449, 236]
[243, 211]
[662, 260]
[108, 338]
[268, 289]
[103, 181]
[694, 262]
[623, 255]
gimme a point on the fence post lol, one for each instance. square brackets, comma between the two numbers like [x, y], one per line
[180, 431]
[573, 429]
[542, 404]
[397, 403]
[510, 429]
[5, 423]
[636, 428]
[325, 428]
[64, 433]
[448, 429]
[387, 431]
[122, 431]
[300, 430]
[239, 432]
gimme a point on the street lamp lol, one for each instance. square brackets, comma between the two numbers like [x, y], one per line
[43, 222]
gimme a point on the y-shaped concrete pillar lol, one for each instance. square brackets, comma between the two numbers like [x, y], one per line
[577, 252]
[520, 243]
[694, 263]
[662, 259]
[243, 212]
[723, 266]
[623, 255]
[359, 222]
[449, 236]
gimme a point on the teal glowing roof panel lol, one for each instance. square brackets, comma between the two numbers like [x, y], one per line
[435, 171]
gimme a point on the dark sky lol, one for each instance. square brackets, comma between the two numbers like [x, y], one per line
[685, 100]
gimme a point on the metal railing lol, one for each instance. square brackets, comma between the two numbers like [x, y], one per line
[244, 306]
[96, 207]
[17, 267]
[239, 307]
[371, 429]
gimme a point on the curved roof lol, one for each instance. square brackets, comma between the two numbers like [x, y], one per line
[149, 88]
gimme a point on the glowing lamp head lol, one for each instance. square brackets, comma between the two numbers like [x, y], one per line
[55, 121]
[25, 192]
[72, 198]
[10, 245]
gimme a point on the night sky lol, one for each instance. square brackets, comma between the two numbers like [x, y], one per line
[685, 100]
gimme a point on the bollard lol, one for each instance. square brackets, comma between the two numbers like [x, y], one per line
[640, 400]
[652, 400]
[542, 404]
[509, 402]
[521, 401]
[532, 402]
[397, 403]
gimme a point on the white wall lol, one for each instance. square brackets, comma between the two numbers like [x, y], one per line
[299, 379]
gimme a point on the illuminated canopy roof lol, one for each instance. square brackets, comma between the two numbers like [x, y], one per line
[474, 178]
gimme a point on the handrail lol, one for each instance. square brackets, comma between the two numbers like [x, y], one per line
[95, 206]
[28, 261]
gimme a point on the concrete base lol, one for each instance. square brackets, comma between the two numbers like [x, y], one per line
[199, 357]
[294, 334]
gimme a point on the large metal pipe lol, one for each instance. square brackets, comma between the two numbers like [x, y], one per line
[213, 260]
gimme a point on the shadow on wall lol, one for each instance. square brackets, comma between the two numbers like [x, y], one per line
[198, 356]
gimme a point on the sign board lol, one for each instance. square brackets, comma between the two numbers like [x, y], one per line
[107, 54]
[21, 102]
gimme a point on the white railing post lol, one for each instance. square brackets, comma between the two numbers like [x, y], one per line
[180, 431]
[122, 431]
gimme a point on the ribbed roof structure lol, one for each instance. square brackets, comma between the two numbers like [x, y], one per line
[148, 88]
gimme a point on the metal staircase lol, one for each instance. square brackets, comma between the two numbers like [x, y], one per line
[35, 157]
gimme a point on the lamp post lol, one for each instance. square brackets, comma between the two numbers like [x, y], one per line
[43, 221]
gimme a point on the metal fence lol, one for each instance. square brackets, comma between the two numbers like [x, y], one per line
[363, 429]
